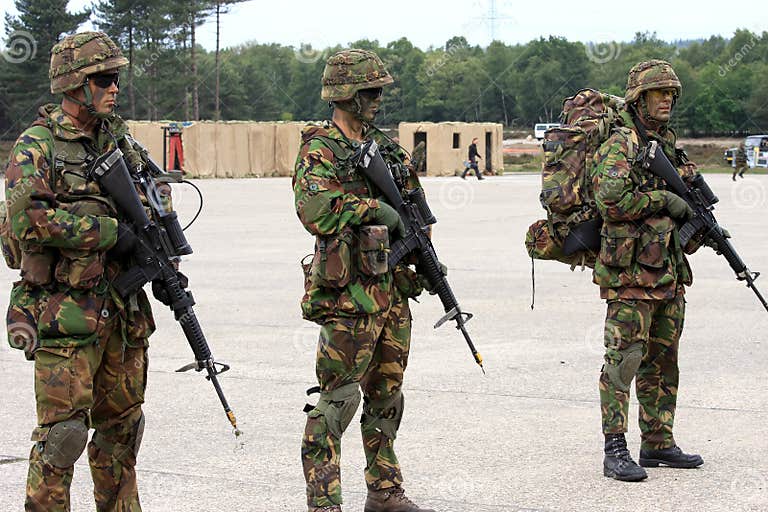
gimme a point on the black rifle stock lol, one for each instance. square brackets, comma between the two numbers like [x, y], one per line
[417, 218]
[160, 243]
[702, 200]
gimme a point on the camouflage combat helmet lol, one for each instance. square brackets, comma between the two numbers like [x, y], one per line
[349, 71]
[79, 55]
[651, 74]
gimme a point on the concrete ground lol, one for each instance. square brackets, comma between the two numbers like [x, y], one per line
[524, 437]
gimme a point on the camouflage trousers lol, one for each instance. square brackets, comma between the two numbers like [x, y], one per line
[102, 384]
[654, 325]
[373, 352]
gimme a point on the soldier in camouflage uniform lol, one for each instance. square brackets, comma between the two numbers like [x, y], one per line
[88, 344]
[740, 161]
[419, 158]
[642, 273]
[361, 305]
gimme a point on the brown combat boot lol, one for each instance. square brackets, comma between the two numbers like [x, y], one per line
[329, 508]
[391, 500]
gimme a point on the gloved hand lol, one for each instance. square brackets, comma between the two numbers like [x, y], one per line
[159, 291]
[677, 207]
[389, 217]
[126, 240]
[424, 282]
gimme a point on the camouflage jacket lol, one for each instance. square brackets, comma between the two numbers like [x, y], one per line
[640, 255]
[335, 203]
[65, 226]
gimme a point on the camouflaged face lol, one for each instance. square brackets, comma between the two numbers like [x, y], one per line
[80, 55]
[349, 71]
[652, 74]
[657, 326]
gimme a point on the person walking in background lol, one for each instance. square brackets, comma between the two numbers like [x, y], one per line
[472, 157]
[740, 164]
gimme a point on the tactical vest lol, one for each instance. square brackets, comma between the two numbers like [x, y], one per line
[75, 194]
[354, 182]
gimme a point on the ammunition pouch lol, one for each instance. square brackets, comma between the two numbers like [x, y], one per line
[617, 247]
[332, 263]
[373, 250]
[37, 263]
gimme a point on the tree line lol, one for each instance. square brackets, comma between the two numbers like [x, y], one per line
[172, 77]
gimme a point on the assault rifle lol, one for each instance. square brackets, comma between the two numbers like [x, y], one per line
[417, 217]
[160, 242]
[701, 199]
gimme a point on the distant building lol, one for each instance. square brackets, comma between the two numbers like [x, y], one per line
[237, 149]
[233, 149]
[447, 144]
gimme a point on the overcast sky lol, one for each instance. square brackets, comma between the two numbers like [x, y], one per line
[432, 22]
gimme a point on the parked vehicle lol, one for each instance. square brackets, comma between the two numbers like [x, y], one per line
[540, 128]
[757, 150]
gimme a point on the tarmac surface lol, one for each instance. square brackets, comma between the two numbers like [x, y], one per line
[524, 437]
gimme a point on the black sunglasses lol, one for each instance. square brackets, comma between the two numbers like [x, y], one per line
[372, 93]
[104, 80]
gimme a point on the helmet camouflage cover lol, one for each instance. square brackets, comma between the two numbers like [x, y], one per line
[648, 75]
[79, 55]
[349, 71]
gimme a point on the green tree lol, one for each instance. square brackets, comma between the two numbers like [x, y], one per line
[29, 39]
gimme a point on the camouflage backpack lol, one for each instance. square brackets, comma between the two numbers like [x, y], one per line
[566, 193]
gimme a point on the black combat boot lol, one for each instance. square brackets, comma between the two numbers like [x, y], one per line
[330, 508]
[672, 457]
[391, 500]
[618, 463]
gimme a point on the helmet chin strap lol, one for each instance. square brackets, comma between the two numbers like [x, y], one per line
[88, 103]
[354, 106]
[642, 107]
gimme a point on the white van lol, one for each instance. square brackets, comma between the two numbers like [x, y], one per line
[756, 147]
[540, 128]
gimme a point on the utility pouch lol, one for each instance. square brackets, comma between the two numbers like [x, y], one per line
[332, 264]
[37, 264]
[617, 247]
[70, 318]
[653, 242]
[373, 250]
[80, 269]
